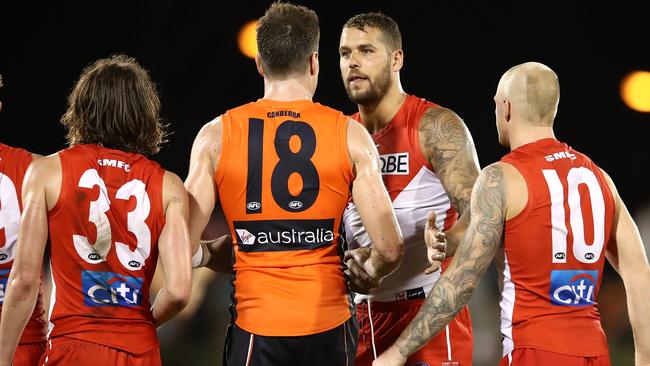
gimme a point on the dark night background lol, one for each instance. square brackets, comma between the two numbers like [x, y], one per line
[455, 53]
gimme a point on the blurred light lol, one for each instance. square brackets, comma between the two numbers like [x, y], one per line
[247, 39]
[635, 90]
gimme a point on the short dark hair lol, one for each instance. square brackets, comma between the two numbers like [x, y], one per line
[115, 104]
[287, 35]
[381, 21]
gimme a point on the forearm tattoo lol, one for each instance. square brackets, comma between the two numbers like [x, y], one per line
[454, 288]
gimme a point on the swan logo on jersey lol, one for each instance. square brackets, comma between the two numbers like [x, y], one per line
[573, 287]
[111, 289]
[283, 235]
[4, 276]
[395, 164]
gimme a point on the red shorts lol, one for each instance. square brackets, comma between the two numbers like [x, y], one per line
[28, 354]
[538, 357]
[452, 346]
[66, 351]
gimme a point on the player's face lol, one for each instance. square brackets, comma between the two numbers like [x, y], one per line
[365, 65]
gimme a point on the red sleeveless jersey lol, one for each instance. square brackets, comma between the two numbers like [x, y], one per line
[104, 232]
[13, 165]
[415, 189]
[554, 252]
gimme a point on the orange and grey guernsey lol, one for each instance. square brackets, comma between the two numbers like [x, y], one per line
[284, 179]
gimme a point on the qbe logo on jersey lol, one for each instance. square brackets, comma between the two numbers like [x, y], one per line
[573, 287]
[111, 289]
[395, 164]
[4, 276]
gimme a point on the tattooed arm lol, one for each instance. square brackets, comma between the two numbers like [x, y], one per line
[447, 144]
[455, 286]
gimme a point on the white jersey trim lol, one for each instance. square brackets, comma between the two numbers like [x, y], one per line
[507, 305]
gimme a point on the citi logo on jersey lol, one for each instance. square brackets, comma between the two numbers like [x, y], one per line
[4, 276]
[395, 164]
[573, 287]
[111, 289]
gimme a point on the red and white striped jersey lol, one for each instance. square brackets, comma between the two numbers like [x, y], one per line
[554, 252]
[13, 165]
[104, 232]
[415, 189]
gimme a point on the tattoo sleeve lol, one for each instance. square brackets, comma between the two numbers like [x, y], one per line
[448, 145]
[455, 286]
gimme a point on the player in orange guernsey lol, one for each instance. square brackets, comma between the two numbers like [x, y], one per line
[429, 164]
[552, 216]
[109, 211]
[13, 165]
[282, 168]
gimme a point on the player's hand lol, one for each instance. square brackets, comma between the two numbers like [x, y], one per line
[360, 280]
[436, 243]
[390, 357]
[220, 250]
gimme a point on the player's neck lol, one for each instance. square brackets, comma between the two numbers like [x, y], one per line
[377, 115]
[287, 90]
[529, 134]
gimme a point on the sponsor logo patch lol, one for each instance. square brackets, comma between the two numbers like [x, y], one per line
[111, 289]
[283, 235]
[4, 277]
[573, 287]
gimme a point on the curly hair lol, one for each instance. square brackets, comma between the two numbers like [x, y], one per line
[115, 104]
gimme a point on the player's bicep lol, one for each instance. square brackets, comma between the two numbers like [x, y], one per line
[449, 147]
[368, 191]
[200, 179]
[485, 230]
[174, 243]
[625, 250]
[33, 229]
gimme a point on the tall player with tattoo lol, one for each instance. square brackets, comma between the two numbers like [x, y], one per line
[551, 216]
[429, 164]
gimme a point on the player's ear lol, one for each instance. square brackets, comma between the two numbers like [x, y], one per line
[258, 64]
[313, 64]
[397, 60]
[507, 109]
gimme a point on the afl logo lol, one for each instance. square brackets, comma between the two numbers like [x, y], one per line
[3, 257]
[295, 205]
[589, 256]
[560, 255]
[134, 264]
[253, 206]
[94, 256]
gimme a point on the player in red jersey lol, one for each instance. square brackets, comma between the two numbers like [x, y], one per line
[109, 211]
[428, 163]
[13, 165]
[552, 216]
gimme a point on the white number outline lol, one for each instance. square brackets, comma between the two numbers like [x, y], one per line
[583, 252]
[96, 252]
[9, 218]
